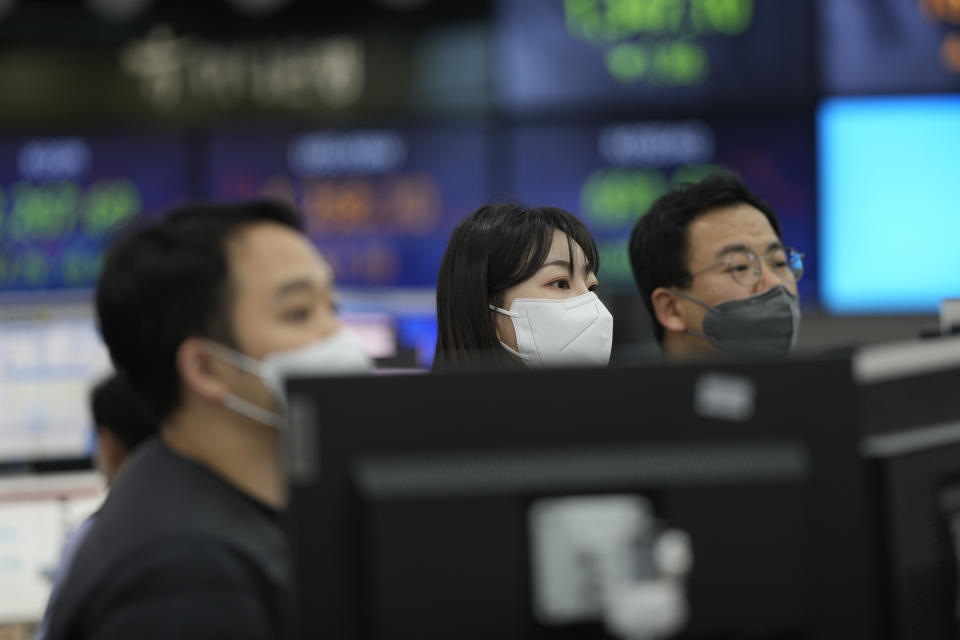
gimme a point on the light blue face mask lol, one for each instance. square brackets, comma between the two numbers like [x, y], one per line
[764, 325]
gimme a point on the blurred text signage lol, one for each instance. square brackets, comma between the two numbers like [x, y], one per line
[175, 78]
[169, 69]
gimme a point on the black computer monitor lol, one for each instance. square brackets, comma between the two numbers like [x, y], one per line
[910, 408]
[413, 496]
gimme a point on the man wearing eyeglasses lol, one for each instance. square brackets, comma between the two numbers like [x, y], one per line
[714, 273]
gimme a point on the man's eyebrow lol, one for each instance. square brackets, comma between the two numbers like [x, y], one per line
[294, 286]
[732, 248]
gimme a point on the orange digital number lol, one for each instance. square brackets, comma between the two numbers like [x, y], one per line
[945, 10]
[415, 203]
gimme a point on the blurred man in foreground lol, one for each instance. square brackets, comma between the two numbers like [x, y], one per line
[203, 312]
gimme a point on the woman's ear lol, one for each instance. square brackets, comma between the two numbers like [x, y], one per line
[200, 371]
[667, 309]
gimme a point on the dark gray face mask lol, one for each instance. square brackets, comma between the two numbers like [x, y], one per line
[762, 325]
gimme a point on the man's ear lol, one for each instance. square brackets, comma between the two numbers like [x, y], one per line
[667, 310]
[200, 371]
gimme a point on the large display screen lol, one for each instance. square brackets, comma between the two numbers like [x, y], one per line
[61, 199]
[565, 54]
[610, 174]
[889, 46]
[888, 203]
[379, 203]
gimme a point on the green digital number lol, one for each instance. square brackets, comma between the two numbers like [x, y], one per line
[673, 63]
[80, 267]
[600, 21]
[35, 268]
[42, 212]
[682, 63]
[633, 17]
[628, 63]
[603, 22]
[728, 17]
[586, 21]
[615, 262]
[613, 198]
[694, 172]
[108, 205]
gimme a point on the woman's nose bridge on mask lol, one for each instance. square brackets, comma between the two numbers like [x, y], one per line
[578, 284]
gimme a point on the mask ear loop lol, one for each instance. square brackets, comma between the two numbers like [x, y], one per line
[708, 307]
[255, 412]
[236, 358]
[689, 297]
[234, 402]
[506, 312]
[512, 314]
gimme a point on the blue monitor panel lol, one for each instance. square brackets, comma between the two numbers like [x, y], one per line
[637, 54]
[889, 46]
[379, 203]
[419, 331]
[63, 198]
[889, 224]
[610, 173]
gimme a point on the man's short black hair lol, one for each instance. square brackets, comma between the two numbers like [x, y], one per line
[658, 244]
[167, 281]
[117, 407]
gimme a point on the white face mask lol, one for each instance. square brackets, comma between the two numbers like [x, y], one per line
[570, 332]
[337, 354]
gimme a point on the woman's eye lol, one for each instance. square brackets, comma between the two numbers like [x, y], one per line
[594, 288]
[560, 284]
[737, 268]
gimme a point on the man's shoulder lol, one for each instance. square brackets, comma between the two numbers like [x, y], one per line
[184, 563]
[160, 493]
[163, 499]
[169, 525]
[194, 580]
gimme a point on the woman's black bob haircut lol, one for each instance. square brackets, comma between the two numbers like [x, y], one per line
[493, 249]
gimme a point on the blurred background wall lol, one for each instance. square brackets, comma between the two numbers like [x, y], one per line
[387, 121]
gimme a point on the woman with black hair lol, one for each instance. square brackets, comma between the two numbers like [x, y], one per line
[518, 286]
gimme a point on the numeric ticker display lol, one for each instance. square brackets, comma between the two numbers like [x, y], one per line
[379, 204]
[568, 54]
[63, 199]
